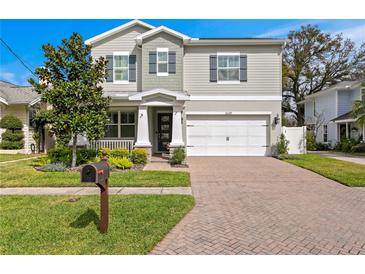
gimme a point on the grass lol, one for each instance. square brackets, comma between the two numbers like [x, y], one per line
[22, 174]
[347, 173]
[54, 225]
[11, 157]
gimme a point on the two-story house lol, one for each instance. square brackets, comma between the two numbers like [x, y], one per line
[213, 96]
[328, 112]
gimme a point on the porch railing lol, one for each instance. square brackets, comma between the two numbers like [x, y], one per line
[112, 144]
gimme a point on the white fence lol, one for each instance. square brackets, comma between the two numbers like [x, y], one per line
[112, 144]
[297, 139]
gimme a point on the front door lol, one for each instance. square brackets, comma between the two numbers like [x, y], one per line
[164, 130]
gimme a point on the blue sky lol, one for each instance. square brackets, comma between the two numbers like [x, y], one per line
[27, 36]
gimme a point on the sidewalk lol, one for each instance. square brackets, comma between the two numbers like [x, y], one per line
[93, 190]
[341, 156]
[18, 160]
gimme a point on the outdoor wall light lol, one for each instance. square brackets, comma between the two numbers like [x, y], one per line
[277, 119]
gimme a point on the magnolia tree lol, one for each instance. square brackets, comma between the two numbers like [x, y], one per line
[70, 82]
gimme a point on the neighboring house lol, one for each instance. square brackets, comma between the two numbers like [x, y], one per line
[213, 96]
[22, 102]
[328, 112]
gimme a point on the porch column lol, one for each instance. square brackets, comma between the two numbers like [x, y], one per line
[142, 129]
[347, 130]
[177, 136]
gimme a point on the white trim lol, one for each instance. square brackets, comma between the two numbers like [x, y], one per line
[119, 53]
[345, 121]
[35, 101]
[116, 30]
[235, 98]
[228, 82]
[232, 42]
[154, 31]
[229, 53]
[228, 113]
[178, 95]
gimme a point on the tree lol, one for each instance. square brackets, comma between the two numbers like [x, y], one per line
[317, 121]
[358, 109]
[70, 83]
[313, 60]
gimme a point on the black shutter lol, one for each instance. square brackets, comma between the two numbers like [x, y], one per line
[172, 62]
[152, 62]
[132, 68]
[109, 68]
[243, 68]
[213, 68]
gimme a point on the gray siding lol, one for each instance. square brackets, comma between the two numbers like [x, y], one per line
[259, 106]
[123, 41]
[263, 71]
[172, 81]
[344, 101]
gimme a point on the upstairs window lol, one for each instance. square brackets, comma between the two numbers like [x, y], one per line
[121, 67]
[162, 61]
[228, 67]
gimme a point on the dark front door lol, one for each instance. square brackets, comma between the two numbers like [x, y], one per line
[164, 130]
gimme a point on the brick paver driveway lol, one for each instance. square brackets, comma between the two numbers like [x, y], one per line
[257, 205]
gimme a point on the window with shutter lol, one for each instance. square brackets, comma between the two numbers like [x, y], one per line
[162, 61]
[121, 67]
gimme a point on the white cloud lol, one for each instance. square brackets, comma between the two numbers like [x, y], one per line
[284, 30]
[356, 34]
[7, 76]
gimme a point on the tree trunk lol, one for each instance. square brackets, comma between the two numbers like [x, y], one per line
[74, 143]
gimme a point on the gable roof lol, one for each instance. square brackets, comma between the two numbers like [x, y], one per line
[11, 94]
[116, 30]
[154, 31]
[344, 85]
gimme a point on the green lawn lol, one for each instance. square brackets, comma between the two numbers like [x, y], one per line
[54, 225]
[346, 173]
[11, 157]
[22, 174]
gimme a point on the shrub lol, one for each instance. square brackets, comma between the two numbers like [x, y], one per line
[346, 144]
[41, 161]
[11, 122]
[86, 155]
[15, 136]
[358, 148]
[119, 153]
[120, 163]
[323, 146]
[53, 167]
[139, 156]
[5, 144]
[311, 141]
[12, 138]
[178, 156]
[100, 150]
[282, 145]
[60, 154]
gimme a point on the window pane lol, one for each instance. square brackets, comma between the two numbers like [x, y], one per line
[131, 117]
[222, 75]
[228, 74]
[121, 74]
[124, 117]
[127, 131]
[222, 61]
[162, 67]
[233, 61]
[112, 117]
[162, 56]
[111, 131]
[121, 61]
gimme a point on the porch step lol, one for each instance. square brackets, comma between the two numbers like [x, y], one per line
[159, 159]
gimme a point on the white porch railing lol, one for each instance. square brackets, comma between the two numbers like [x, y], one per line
[112, 144]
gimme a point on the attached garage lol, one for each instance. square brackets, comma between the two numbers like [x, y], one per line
[228, 135]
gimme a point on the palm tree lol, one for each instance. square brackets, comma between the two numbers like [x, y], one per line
[358, 109]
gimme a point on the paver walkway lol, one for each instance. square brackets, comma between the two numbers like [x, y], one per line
[258, 205]
[341, 156]
[92, 190]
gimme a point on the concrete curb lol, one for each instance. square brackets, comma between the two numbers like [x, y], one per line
[93, 190]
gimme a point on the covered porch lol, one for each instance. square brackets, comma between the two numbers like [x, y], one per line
[348, 128]
[152, 120]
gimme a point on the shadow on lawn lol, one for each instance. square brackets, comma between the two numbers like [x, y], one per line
[85, 219]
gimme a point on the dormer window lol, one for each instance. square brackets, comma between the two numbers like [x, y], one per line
[162, 61]
[121, 67]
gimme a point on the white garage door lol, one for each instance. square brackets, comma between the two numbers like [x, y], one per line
[227, 135]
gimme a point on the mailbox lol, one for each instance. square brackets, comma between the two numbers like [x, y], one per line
[97, 173]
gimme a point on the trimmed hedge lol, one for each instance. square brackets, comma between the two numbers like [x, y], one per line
[12, 144]
[139, 156]
[15, 136]
[11, 122]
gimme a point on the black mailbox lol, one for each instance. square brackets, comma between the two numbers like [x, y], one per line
[97, 173]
